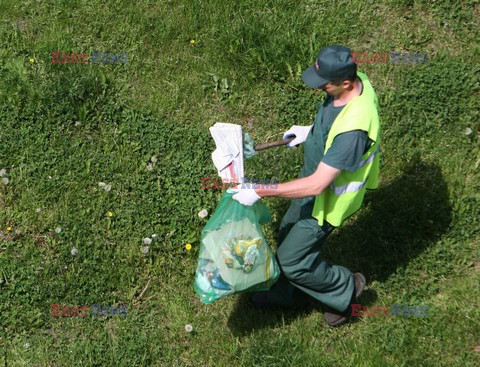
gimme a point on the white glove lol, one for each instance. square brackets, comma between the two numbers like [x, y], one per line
[246, 196]
[300, 133]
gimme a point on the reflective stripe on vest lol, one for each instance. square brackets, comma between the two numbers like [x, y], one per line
[355, 185]
[370, 158]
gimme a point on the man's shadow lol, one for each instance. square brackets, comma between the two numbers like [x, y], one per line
[397, 223]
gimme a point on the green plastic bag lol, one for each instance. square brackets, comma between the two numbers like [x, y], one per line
[234, 255]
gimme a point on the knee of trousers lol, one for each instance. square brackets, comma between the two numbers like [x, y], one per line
[311, 267]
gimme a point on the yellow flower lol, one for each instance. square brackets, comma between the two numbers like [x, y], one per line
[192, 42]
[9, 228]
[110, 214]
[32, 60]
[188, 247]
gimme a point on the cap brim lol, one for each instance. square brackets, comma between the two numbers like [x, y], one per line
[311, 78]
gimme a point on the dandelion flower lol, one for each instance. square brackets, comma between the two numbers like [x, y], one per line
[192, 42]
[32, 60]
[188, 247]
[74, 251]
[154, 235]
[107, 188]
[203, 213]
[38, 210]
[147, 241]
[5, 181]
[110, 214]
[102, 184]
[58, 229]
[149, 167]
[145, 249]
[9, 229]
[188, 328]
[3, 172]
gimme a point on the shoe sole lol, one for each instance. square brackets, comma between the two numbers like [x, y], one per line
[363, 282]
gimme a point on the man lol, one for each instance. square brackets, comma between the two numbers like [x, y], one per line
[341, 160]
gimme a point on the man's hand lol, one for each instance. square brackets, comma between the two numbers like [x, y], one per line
[245, 196]
[300, 133]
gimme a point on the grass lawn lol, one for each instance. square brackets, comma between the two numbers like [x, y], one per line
[141, 129]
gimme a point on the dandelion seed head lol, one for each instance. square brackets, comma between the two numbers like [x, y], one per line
[74, 251]
[26, 345]
[203, 213]
[188, 328]
[154, 235]
[145, 249]
[149, 167]
[38, 210]
[468, 131]
[102, 184]
[147, 241]
[5, 181]
[58, 229]
[107, 188]
[153, 159]
[3, 172]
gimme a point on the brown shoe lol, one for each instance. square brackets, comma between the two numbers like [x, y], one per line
[336, 318]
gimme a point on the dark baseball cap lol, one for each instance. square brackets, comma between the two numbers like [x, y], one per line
[333, 63]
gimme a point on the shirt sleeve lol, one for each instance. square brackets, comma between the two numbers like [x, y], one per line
[347, 150]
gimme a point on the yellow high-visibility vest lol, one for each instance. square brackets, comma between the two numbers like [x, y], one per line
[345, 195]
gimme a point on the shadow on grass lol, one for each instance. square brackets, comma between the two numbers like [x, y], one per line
[399, 221]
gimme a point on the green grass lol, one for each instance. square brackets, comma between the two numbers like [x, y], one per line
[66, 127]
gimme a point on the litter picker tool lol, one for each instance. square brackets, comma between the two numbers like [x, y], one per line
[232, 146]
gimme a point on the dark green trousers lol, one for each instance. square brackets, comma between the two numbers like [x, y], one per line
[304, 273]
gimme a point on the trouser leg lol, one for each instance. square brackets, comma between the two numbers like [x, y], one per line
[304, 272]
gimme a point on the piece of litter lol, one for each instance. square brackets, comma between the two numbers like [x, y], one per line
[188, 328]
[145, 249]
[203, 213]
